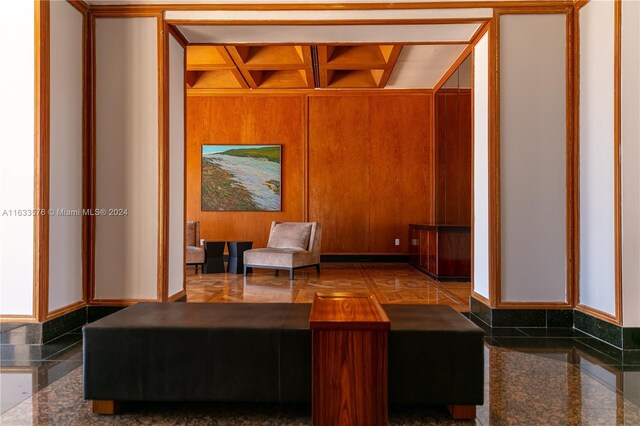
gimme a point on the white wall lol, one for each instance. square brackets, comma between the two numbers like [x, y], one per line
[597, 252]
[127, 157]
[533, 157]
[630, 153]
[176, 166]
[65, 232]
[17, 108]
[481, 167]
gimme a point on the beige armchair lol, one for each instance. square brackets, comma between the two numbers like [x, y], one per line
[291, 246]
[195, 253]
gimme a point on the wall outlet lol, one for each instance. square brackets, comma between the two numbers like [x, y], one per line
[397, 241]
[201, 241]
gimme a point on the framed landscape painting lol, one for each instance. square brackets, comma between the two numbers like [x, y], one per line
[241, 178]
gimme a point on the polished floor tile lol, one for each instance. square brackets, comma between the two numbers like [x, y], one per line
[25, 371]
[550, 385]
[533, 376]
[391, 283]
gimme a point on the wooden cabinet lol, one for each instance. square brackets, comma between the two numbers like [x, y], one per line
[350, 345]
[442, 251]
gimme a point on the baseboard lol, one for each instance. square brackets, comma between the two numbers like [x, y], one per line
[385, 258]
[625, 338]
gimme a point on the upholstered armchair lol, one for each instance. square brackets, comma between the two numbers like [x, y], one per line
[291, 246]
[195, 253]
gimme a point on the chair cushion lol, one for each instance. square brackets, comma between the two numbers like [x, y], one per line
[277, 257]
[195, 254]
[290, 236]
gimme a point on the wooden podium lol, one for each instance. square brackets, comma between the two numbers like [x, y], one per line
[349, 373]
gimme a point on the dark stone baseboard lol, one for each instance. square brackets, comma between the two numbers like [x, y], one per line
[40, 333]
[386, 258]
[547, 318]
[621, 337]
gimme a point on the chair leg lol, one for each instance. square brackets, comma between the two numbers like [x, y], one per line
[290, 274]
[245, 271]
[196, 265]
[277, 273]
[318, 268]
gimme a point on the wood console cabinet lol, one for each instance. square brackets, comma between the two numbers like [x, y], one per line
[350, 346]
[442, 251]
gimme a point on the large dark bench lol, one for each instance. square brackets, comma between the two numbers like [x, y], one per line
[261, 352]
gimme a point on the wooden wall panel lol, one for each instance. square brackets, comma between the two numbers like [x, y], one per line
[453, 156]
[247, 120]
[399, 161]
[369, 170]
[368, 162]
[339, 135]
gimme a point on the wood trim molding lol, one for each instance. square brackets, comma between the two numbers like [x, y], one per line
[310, 92]
[124, 12]
[575, 164]
[495, 270]
[533, 305]
[597, 314]
[42, 164]
[579, 4]
[88, 189]
[118, 302]
[18, 319]
[617, 105]
[473, 147]
[363, 43]
[557, 10]
[463, 55]
[65, 310]
[572, 175]
[80, 5]
[163, 160]
[90, 164]
[184, 173]
[177, 296]
[311, 22]
[177, 34]
[459, 60]
[332, 6]
[480, 298]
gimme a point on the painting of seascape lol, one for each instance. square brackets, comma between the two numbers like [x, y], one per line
[241, 177]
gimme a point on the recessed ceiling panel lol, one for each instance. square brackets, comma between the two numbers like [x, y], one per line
[301, 34]
[421, 67]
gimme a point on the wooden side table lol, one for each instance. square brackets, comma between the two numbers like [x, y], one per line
[214, 257]
[349, 361]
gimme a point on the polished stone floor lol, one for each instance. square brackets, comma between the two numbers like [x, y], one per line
[391, 283]
[533, 376]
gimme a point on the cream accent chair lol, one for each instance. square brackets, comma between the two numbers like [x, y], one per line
[195, 253]
[292, 245]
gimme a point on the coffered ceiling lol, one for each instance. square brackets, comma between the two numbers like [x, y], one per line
[301, 47]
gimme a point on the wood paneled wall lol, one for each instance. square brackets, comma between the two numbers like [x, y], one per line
[361, 164]
[369, 170]
[453, 156]
[247, 120]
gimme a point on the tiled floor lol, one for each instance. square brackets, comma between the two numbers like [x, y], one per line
[533, 376]
[529, 380]
[391, 283]
[27, 369]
